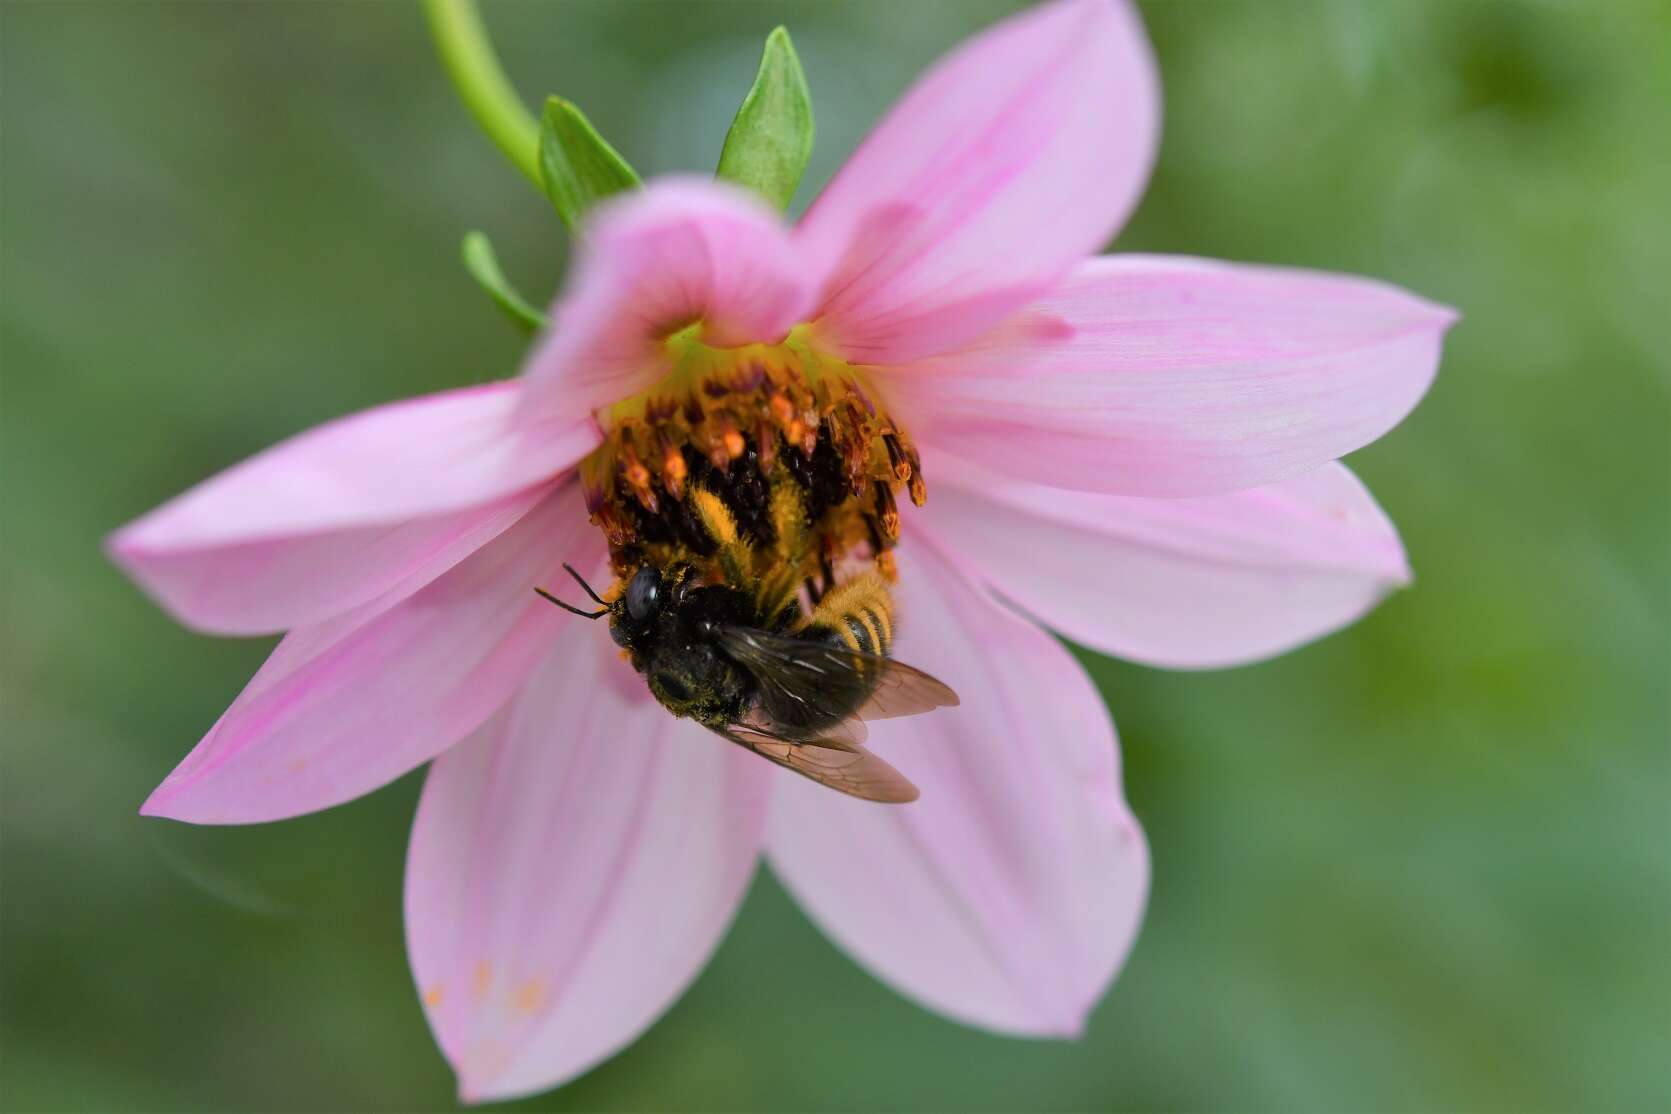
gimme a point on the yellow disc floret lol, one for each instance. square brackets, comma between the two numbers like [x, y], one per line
[770, 463]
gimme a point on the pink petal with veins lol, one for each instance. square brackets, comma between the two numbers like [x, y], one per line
[347, 512]
[344, 707]
[1017, 155]
[1146, 375]
[653, 261]
[1009, 894]
[1181, 583]
[573, 865]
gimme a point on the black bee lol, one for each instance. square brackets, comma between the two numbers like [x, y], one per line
[794, 690]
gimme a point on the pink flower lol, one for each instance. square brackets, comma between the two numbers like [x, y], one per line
[1139, 452]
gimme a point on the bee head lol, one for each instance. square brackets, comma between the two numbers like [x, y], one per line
[639, 617]
[636, 613]
[666, 619]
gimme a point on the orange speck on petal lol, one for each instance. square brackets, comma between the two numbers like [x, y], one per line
[432, 996]
[528, 996]
[481, 979]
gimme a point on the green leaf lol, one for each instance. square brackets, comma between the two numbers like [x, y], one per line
[580, 168]
[483, 266]
[771, 138]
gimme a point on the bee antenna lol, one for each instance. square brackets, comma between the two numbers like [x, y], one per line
[582, 582]
[570, 608]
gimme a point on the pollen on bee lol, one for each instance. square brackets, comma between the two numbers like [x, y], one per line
[716, 516]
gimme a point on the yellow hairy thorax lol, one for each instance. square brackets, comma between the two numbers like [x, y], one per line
[765, 462]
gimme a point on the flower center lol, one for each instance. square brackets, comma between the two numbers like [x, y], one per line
[786, 439]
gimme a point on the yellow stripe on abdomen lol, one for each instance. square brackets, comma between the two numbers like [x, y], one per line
[864, 629]
[882, 610]
[847, 633]
[877, 624]
[860, 612]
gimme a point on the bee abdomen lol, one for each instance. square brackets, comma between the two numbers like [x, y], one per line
[860, 614]
[865, 632]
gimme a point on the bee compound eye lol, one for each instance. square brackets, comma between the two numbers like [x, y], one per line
[643, 594]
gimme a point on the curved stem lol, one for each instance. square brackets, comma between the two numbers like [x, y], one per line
[468, 56]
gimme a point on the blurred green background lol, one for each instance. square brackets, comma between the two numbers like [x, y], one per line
[1422, 865]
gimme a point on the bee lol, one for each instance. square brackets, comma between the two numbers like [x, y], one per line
[744, 660]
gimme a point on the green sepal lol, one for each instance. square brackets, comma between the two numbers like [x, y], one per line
[771, 138]
[483, 266]
[578, 165]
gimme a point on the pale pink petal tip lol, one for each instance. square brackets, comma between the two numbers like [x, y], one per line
[1010, 893]
[679, 251]
[1181, 583]
[572, 866]
[1015, 156]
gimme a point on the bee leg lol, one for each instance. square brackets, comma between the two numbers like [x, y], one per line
[721, 526]
[776, 596]
[788, 513]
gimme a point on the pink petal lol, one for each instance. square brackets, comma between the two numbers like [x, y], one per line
[654, 261]
[1017, 155]
[572, 867]
[343, 707]
[346, 512]
[1009, 894]
[1144, 375]
[1186, 583]
[267, 586]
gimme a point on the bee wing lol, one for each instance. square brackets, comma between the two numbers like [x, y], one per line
[905, 691]
[826, 674]
[849, 734]
[850, 769]
[798, 673]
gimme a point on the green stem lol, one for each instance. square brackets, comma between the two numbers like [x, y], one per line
[468, 55]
